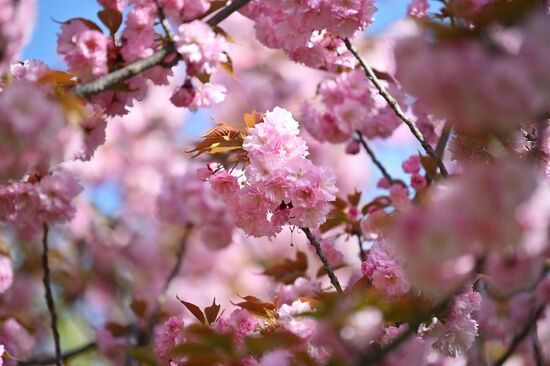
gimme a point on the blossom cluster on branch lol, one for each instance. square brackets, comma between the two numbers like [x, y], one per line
[438, 255]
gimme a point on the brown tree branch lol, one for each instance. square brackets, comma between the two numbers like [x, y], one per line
[157, 58]
[315, 243]
[173, 273]
[362, 255]
[373, 157]
[516, 341]
[49, 296]
[443, 139]
[66, 356]
[394, 105]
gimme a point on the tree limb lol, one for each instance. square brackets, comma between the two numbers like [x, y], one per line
[157, 58]
[66, 356]
[394, 105]
[49, 296]
[315, 243]
[373, 157]
[516, 341]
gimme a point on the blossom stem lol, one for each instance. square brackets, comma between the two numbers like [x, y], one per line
[173, 273]
[49, 296]
[157, 58]
[373, 157]
[394, 105]
[521, 335]
[315, 243]
[66, 356]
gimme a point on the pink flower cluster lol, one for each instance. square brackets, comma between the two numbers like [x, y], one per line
[84, 49]
[16, 24]
[385, 271]
[89, 53]
[350, 106]
[29, 131]
[456, 334]
[282, 186]
[412, 166]
[185, 200]
[6, 273]
[203, 50]
[304, 27]
[18, 342]
[26, 206]
[441, 244]
[168, 335]
[513, 89]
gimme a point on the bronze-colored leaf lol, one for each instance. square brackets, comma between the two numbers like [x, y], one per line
[257, 307]
[228, 65]
[354, 198]
[139, 307]
[4, 250]
[212, 312]
[194, 309]
[322, 271]
[87, 22]
[221, 138]
[252, 119]
[116, 329]
[429, 165]
[336, 218]
[204, 77]
[112, 19]
[219, 30]
[289, 270]
[61, 78]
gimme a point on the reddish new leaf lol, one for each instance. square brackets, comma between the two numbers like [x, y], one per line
[212, 312]
[112, 19]
[289, 270]
[194, 309]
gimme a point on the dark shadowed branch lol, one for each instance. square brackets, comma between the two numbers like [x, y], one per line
[49, 296]
[394, 105]
[315, 243]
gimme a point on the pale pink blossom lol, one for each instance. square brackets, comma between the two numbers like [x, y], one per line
[6, 274]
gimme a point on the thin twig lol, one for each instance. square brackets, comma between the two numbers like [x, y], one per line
[394, 105]
[361, 250]
[66, 356]
[164, 23]
[443, 139]
[173, 273]
[49, 296]
[373, 157]
[227, 11]
[537, 352]
[315, 243]
[520, 336]
[157, 58]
